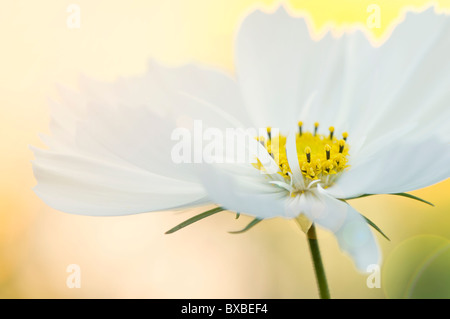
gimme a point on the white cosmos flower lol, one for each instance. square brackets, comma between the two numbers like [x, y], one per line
[110, 149]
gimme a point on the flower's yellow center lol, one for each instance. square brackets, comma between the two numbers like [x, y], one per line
[320, 157]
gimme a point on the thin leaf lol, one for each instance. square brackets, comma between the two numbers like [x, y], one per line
[195, 219]
[361, 196]
[252, 223]
[398, 194]
[413, 197]
[375, 227]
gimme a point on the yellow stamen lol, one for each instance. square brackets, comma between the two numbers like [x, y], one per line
[345, 135]
[328, 151]
[331, 132]
[341, 146]
[300, 124]
[308, 154]
[320, 157]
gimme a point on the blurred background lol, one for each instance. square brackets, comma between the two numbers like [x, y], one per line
[130, 257]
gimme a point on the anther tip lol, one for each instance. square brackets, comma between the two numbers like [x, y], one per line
[269, 129]
[345, 135]
[331, 128]
[316, 124]
[300, 123]
[308, 150]
[327, 148]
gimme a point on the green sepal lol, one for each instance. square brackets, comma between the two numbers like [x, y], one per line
[250, 225]
[413, 197]
[195, 219]
[238, 215]
[371, 223]
[398, 194]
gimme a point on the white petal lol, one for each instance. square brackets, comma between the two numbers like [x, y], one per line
[291, 152]
[249, 193]
[133, 120]
[359, 88]
[135, 136]
[280, 68]
[411, 80]
[350, 228]
[215, 89]
[379, 89]
[400, 165]
[126, 126]
[274, 59]
[244, 189]
[339, 80]
[81, 185]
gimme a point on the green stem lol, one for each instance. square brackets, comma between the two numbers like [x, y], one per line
[317, 261]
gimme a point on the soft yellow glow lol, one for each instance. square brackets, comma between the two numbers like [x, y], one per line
[130, 256]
